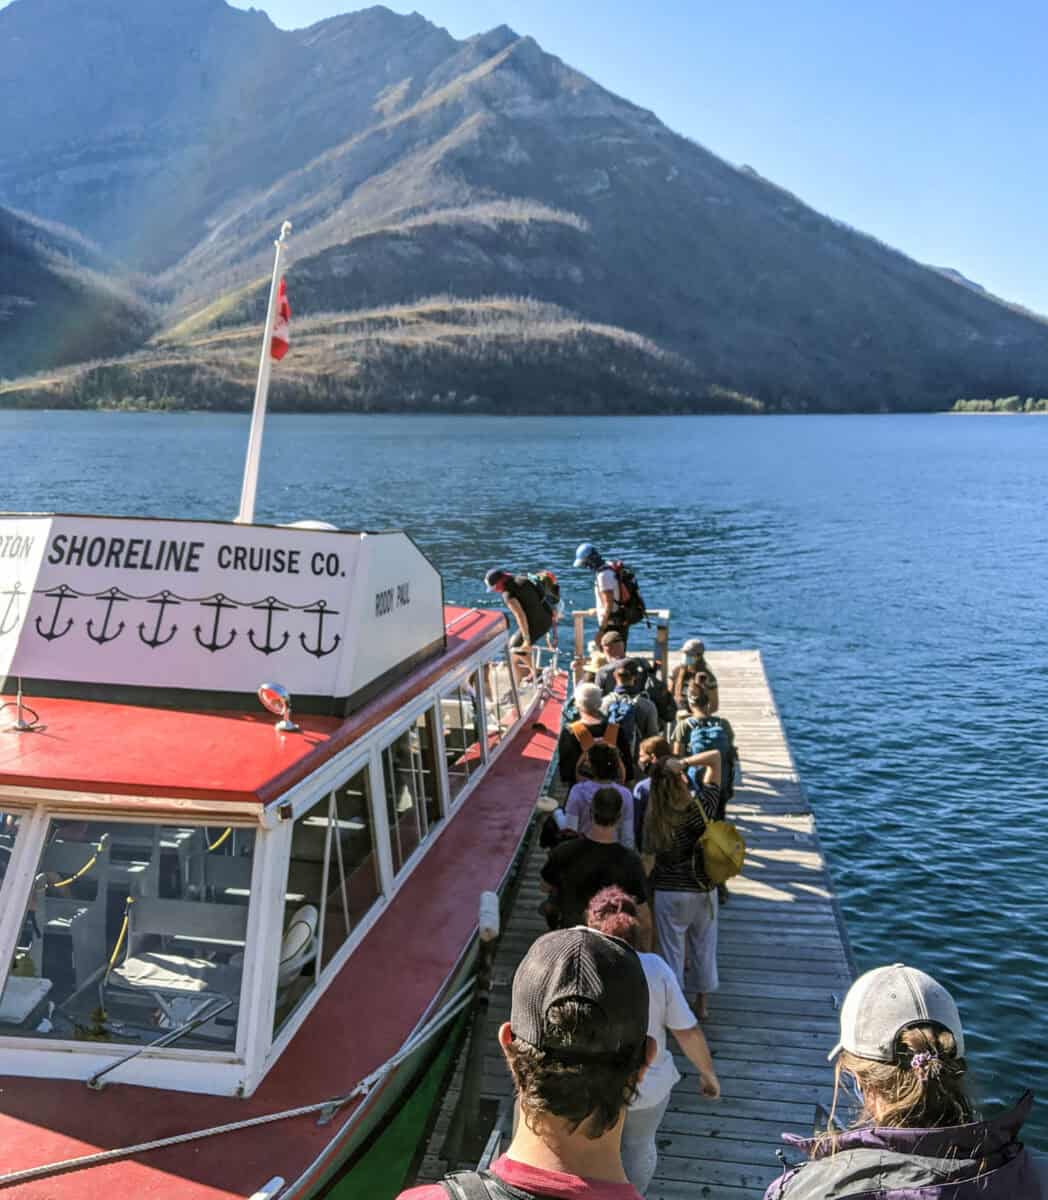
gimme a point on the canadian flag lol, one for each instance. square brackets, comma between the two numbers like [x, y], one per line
[281, 339]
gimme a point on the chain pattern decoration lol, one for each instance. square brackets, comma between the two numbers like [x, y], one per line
[214, 631]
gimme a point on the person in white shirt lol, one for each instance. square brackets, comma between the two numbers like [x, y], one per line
[614, 913]
[607, 592]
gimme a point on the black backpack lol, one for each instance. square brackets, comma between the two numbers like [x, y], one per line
[660, 695]
[631, 607]
[482, 1185]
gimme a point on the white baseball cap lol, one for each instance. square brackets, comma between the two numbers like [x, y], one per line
[887, 1000]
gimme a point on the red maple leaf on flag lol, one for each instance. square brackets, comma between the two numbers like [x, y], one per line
[281, 339]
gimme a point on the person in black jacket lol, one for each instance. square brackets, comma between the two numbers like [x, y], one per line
[533, 615]
[592, 725]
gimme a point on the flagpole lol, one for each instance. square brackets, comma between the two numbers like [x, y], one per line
[258, 414]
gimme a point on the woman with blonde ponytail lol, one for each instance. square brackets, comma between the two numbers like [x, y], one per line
[916, 1135]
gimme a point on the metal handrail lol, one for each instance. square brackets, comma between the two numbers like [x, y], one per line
[659, 616]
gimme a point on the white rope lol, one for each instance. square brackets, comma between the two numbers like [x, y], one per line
[453, 1007]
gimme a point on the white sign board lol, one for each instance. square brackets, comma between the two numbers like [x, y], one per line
[206, 607]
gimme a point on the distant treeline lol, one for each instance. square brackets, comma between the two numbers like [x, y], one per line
[1003, 404]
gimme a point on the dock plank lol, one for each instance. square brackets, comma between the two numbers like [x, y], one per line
[784, 965]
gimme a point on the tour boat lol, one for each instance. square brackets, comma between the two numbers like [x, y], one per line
[229, 944]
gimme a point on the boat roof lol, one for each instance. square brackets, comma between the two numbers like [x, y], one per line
[166, 762]
[361, 1020]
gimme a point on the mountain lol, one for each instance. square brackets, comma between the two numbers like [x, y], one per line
[957, 277]
[429, 175]
[60, 301]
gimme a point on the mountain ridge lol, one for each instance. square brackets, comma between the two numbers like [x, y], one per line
[414, 164]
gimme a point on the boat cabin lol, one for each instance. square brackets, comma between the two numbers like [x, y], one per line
[181, 876]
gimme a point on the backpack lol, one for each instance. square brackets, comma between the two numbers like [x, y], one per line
[660, 695]
[548, 588]
[620, 714]
[713, 733]
[719, 854]
[631, 607]
[479, 1185]
[610, 737]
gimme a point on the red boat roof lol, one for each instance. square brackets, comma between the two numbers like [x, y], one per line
[202, 763]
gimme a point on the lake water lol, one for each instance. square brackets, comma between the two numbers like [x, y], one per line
[892, 570]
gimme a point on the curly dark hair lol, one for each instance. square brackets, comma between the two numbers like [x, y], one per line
[569, 1077]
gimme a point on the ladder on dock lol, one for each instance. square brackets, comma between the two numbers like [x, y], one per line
[784, 967]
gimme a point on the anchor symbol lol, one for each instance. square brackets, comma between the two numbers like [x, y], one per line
[269, 606]
[163, 600]
[320, 609]
[112, 597]
[218, 603]
[12, 595]
[59, 595]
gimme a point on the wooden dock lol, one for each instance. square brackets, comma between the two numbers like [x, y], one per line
[784, 968]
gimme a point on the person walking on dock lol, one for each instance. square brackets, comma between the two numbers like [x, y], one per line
[592, 726]
[699, 731]
[604, 767]
[614, 912]
[902, 1050]
[580, 867]
[693, 671]
[685, 902]
[577, 1046]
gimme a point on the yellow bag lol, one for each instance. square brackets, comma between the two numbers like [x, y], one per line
[719, 854]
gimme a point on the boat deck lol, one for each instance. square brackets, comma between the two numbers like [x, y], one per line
[784, 964]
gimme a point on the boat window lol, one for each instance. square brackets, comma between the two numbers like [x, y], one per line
[462, 741]
[9, 823]
[410, 775]
[502, 710]
[333, 880]
[130, 932]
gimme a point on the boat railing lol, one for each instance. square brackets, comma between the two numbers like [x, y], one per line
[656, 621]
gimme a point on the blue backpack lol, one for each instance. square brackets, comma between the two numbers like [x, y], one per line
[620, 710]
[708, 733]
[713, 733]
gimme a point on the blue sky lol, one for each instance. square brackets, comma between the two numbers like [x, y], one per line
[922, 122]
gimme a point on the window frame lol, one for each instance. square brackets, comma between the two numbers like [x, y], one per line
[451, 691]
[214, 1072]
[440, 779]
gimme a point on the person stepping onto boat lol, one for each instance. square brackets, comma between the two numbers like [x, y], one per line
[531, 608]
[580, 867]
[615, 913]
[577, 1046]
[902, 1051]
[592, 726]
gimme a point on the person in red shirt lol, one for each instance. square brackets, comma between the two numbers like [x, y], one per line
[576, 1045]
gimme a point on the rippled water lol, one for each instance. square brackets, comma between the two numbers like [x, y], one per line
[893, 570]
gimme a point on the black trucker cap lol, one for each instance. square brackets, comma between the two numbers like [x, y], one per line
[582, 964]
